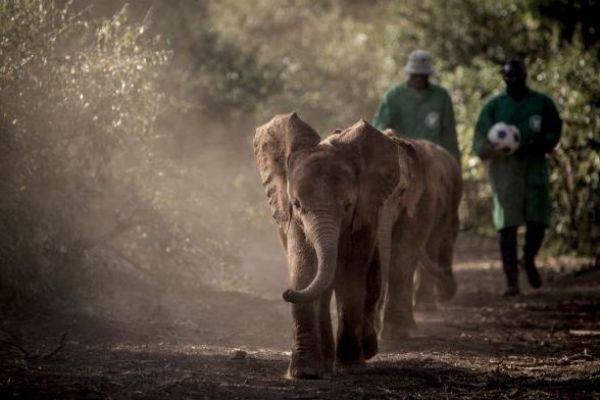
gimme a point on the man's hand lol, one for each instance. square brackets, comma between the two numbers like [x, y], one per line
[492, 150]
[535, 144]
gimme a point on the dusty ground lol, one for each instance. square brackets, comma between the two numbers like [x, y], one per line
[544, 344]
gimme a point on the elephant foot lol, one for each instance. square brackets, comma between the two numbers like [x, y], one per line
[301, 368]
[394, 332]
[328, 368]
[328, 351]
[349, 350]
[304, 372]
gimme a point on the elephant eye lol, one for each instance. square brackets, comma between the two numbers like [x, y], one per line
[347, 205]
[296, 204]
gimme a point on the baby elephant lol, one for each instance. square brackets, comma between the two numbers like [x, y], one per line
[328, 198]
[418, 224]
[325, 197]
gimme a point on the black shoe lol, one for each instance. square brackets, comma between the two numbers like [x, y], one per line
[533, 276]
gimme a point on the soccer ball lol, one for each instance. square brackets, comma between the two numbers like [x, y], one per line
[505, 139]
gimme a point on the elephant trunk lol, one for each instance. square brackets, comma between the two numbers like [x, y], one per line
[324, 238]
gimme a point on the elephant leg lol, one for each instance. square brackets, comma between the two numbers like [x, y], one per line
[371, 318]
[350, 292]
[380, 307]
[326, 332]
[350, 298]
[398, 319]
[447, 289]
[307, 356]
[425, 298]
[384, 245]
[425, 292]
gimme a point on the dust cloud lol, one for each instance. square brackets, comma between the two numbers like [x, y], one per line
[141, 199]
[214, 202]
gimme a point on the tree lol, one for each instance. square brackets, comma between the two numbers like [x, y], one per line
[84, 193]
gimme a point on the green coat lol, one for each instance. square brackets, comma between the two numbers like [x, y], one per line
[520, 182]
[428, 116]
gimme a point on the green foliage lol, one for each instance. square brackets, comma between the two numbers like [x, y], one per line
[83, 185]
[573, 75]
[337, 58]
[571, 18]
[208, 72]
[329, 61]
[473, 38]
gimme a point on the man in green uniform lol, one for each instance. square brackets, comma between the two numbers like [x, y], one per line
[419, 108]
[519, 181]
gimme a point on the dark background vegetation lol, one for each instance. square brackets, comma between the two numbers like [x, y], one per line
[126, 157]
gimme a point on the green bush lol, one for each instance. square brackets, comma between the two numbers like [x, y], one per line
[338, 57]
[472, 39]
[85, 189]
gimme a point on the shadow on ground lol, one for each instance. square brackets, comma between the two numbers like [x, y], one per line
[544, 344]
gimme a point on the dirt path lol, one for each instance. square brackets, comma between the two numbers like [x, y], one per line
[480, 346]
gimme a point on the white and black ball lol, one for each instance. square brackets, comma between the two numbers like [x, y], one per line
[505, 138]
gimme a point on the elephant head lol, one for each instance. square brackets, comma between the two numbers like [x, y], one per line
[328, 187]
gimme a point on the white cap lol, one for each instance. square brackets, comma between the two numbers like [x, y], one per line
[419, 62]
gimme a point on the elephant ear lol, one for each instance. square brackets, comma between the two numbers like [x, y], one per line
[274, 143]
[376, 156]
